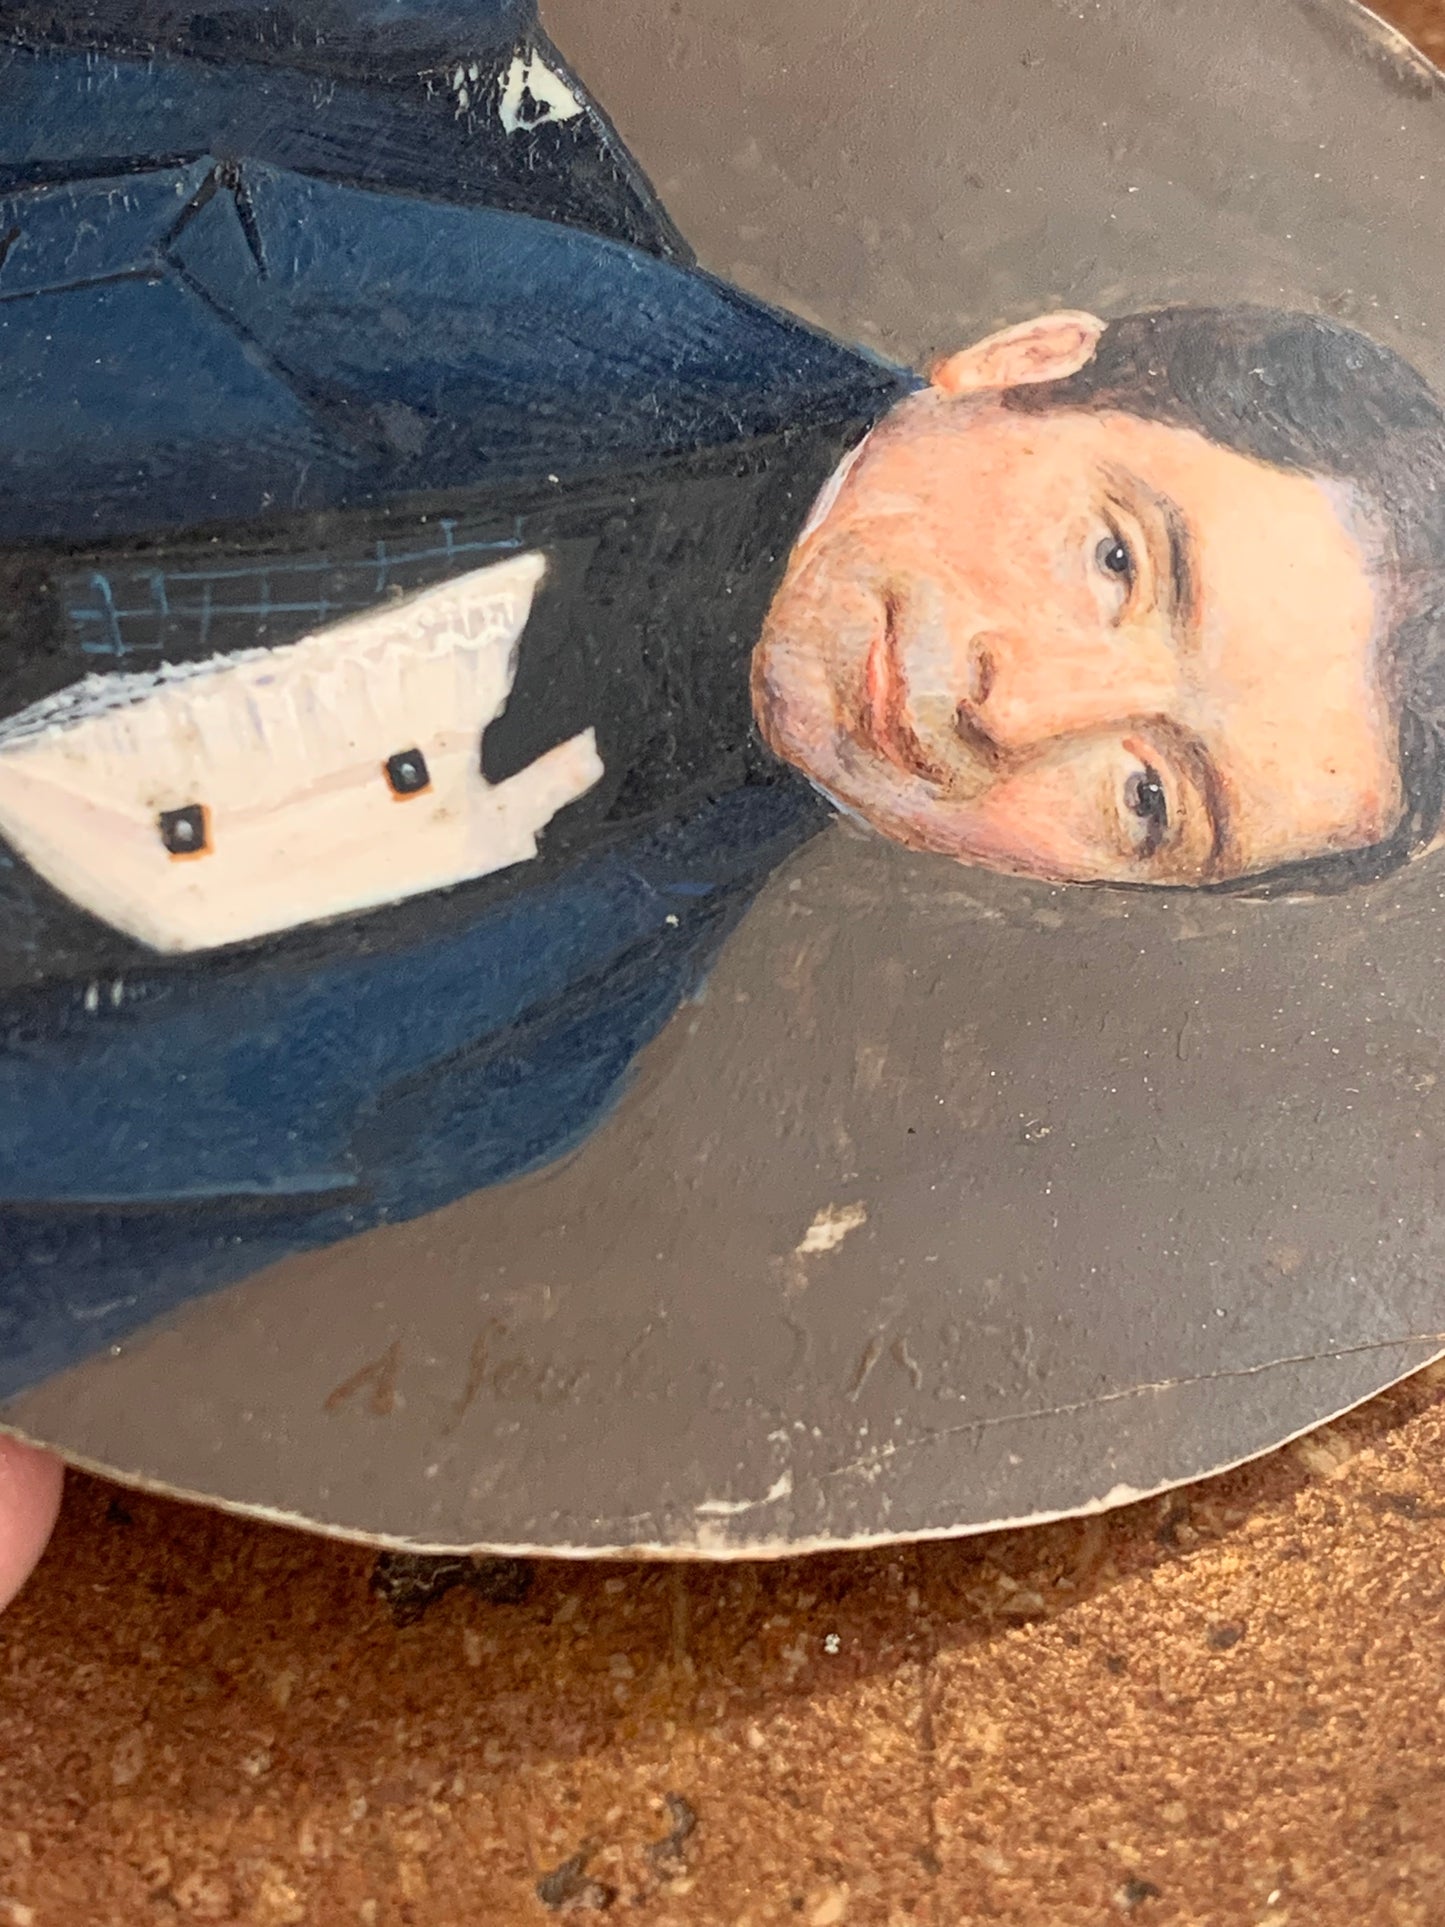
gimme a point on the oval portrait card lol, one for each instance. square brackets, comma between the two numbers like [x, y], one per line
[722, 736]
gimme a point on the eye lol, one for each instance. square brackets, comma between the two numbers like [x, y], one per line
[1114, 563]
[1145, 799]
[1115, 558]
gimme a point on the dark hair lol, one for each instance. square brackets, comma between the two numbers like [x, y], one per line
[1310, 395]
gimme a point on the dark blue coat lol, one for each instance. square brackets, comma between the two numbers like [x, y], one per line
[277, 308]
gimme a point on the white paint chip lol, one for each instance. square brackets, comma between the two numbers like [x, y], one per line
[551, 97]
[830, 1227]
[781, 1488]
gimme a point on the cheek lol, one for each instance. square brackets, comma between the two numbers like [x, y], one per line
[1001, 529]
[1049, 820]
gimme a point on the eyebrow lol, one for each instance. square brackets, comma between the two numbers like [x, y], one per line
[1192, 755]
[1181, 587]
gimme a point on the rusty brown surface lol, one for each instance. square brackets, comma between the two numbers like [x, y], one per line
[1422, 20]
[1226, 1706]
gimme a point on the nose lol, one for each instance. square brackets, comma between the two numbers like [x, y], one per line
[1016, 691]
[979, 672]
[971, 717]
[997, 712]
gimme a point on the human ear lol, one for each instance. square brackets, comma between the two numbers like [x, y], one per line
[1048, 348]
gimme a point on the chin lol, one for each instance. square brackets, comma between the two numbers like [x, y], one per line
[794, 705]
[796, 711]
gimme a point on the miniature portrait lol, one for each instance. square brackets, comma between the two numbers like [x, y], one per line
[434, 606]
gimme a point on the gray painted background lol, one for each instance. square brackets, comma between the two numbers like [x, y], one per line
[915, 173]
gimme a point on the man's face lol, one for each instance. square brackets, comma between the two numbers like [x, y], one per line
[1082, 645]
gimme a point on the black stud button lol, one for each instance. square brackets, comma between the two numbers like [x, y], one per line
[407, 773]
[185, 832]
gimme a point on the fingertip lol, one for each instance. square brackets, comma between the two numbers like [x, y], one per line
[30, 1486]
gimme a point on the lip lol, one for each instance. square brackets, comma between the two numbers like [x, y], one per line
[884, 726]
